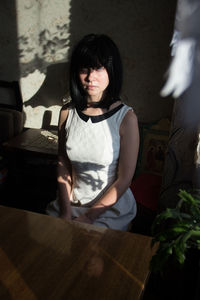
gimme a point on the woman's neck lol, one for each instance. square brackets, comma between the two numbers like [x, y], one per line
[93, 111]
[93, 104]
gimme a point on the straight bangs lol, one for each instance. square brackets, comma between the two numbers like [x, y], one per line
[91, 58]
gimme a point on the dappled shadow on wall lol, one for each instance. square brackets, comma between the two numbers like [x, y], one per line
[49, 98]
[52, 48]
[43, 41]
[44, 79]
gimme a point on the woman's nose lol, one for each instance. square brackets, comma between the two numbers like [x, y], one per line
[91, 74]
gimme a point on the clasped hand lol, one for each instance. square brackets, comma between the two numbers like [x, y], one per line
[83, 219]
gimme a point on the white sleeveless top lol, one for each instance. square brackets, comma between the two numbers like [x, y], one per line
[93, 146]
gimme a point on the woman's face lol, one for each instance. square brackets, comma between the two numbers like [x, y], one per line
[94, 82]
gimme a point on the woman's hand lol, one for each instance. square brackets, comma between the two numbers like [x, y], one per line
[83, 219]
[66, 216]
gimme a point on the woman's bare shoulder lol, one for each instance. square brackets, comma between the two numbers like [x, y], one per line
[64, 112]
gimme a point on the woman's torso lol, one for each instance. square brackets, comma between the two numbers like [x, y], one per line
[93, 146]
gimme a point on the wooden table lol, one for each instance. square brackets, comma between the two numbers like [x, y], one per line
[43, 257]
[31, 141]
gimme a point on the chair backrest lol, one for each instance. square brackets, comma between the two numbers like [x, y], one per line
[10, 95]
[11, 112]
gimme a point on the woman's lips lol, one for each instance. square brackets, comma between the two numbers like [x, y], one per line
[90, 87]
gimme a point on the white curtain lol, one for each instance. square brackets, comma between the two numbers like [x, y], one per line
[182, 164]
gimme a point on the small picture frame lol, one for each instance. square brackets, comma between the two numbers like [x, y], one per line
[154, 150]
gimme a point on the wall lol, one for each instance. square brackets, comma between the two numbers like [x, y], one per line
[142, 30]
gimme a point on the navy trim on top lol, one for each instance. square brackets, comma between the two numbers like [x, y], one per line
[99, 118]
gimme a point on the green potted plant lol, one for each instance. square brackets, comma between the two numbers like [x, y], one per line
[176, 263]
[176, 230]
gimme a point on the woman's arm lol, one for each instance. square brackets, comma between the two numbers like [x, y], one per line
[63, 169]
[129, 146]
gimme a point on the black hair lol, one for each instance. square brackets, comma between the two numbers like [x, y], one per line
[93, 51]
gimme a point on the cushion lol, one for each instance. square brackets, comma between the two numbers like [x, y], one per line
[146, 190]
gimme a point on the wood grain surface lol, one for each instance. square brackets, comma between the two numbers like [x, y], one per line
[43, 257]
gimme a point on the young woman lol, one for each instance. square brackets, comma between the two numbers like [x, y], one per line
[98, 140]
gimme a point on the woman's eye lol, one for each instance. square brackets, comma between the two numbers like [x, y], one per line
[83, 71]
[100, 68]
